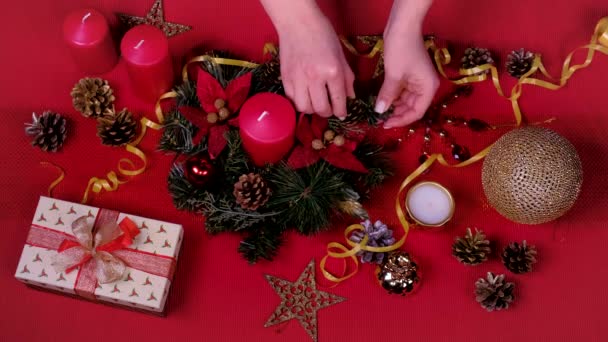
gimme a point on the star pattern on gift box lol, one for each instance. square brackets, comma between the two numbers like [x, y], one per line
[300, 300]
[156, 18]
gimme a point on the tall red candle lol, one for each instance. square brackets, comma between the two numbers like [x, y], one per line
[146, 50]
[267, 126]
[87, 35]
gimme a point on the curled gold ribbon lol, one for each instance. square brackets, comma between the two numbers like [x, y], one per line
[598, 43]
[112, 180]
[58, 180]
[376, 49]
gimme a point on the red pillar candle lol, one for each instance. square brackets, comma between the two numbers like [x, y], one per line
[88, 36]
[267, 126]
[146, 50]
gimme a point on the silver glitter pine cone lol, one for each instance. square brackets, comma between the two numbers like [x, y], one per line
[399, 274]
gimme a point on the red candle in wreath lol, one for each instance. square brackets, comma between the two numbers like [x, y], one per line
[267, 126]
[146, 50]
[87, 34]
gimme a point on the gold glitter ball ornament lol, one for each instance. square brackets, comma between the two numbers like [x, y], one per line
[532, 175]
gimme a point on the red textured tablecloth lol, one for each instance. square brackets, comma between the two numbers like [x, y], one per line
[216, 295]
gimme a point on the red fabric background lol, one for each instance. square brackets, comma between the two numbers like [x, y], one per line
[216, 296]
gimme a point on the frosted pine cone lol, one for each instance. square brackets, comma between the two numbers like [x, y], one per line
[379, 236]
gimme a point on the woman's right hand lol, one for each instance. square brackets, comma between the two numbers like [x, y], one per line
[314, 71]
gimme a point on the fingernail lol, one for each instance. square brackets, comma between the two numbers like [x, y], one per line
[380, 107]
[387, 126]
[342, 118]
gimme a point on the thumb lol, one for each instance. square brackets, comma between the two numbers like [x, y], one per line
[391, 89]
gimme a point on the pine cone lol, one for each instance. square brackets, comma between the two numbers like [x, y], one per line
[357, 111]
[471, 249]
[379, 236]
[519, 62]
[474, 57]
[93, 97]
[518, 258]
[251, 191]
[118, 129]
[270, 72]
[494, 293]
[49, 131]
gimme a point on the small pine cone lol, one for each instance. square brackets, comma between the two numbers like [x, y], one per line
[494, 293]
[93, 97]
[251, 191]
[519, 62]
[471, 249]
[518, 258]
[270, 72]
[357, 111]
[118, 129]
[379, 235]
[474, 57]
[49, 131]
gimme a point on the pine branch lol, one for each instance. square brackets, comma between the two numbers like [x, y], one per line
[267, 78]
[236, 161]
[305, 199]
[186, 95]
[379, 164]
[223, 214]
[262, 243]
[177, 135]
[223, 73]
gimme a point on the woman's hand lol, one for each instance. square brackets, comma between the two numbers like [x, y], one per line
[314, 71]
[410, 80]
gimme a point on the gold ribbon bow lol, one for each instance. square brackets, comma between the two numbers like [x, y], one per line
[96, 247]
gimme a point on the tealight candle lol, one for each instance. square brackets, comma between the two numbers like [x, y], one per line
[267, 127]
[429, 204]
[87, 34]
[145, 48]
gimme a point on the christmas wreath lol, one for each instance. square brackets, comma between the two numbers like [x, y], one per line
[329, 168]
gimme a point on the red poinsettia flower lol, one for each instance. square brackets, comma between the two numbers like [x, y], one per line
[222, 104]
[310, 133]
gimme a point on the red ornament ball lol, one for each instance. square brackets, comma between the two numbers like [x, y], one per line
[199, 170]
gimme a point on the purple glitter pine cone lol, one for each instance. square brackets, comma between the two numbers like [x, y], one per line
[379, 236]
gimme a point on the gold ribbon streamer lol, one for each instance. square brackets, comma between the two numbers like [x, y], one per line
[57, 180]
[112, 180]
[221, 61]
[378, 48]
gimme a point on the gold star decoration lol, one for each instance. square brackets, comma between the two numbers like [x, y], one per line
[155, 17]
[300, 300]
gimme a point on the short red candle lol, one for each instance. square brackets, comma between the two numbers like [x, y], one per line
[267, 126]
[146, 50]
[88, 36]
